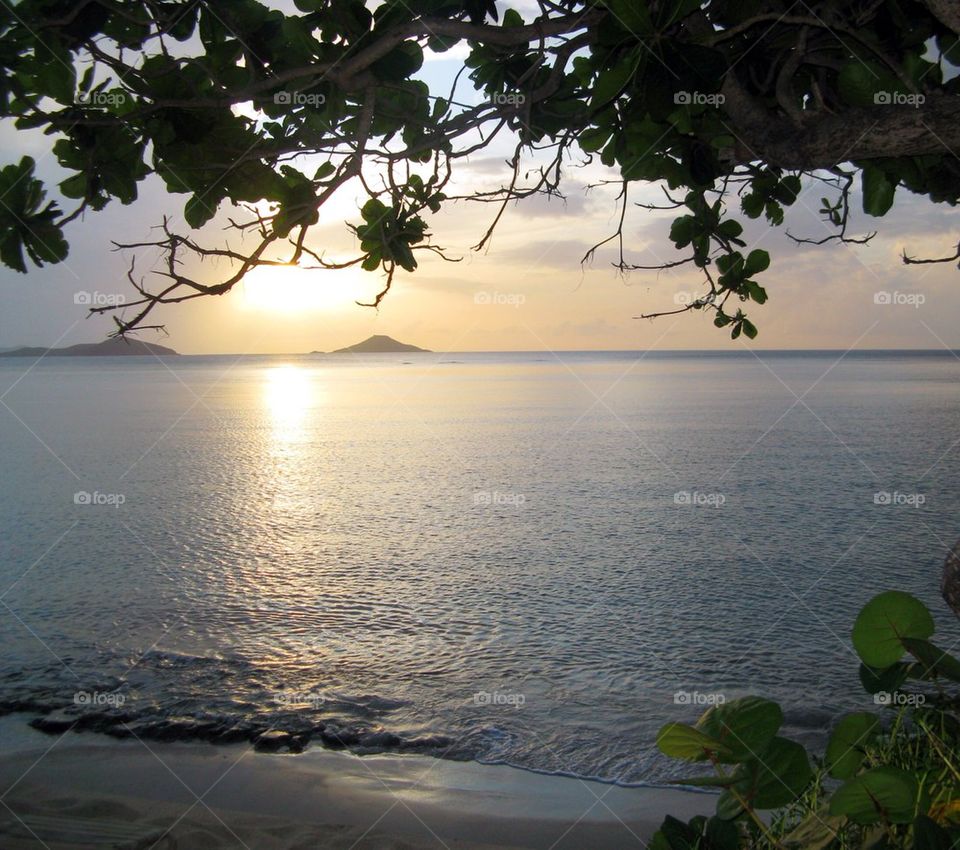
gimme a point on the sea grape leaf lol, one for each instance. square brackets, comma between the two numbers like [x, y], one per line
[681, 741]
[884, 621]
[845, 751]
[744, 726]
[776, 777]
[883, 793]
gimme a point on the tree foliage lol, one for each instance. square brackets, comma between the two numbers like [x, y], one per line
[726, 105]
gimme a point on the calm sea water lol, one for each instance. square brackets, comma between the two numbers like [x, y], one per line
[519, 558]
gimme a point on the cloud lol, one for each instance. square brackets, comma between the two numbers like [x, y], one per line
[560, 254]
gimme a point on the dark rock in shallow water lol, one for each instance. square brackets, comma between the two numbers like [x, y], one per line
[380, 740]
[233, 734]
[436, 742]
[294, 737]
[56, 722]
[338, 739]
[160, 729]
[59, 720]
[278, 741]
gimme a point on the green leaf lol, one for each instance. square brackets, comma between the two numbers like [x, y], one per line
[743, 726]
[929, 835]
[935, 661]
[888, 679]
[25, 224]
[730, 229]
[776, 777]
[788, 190]
[682, 230]
[757, 261]
[405, 59]
[610, 82]
[678, 835]
[728, 806]
[774, 213]
[721, 835]
[884, 621]
[756, 292]
[593, 138]
[883, 793]
[878, 191]
[11, 251]
[441, 43]
[74, 187]
[678, 740]
[45, 243]
[374, 211]
[512, 18]
[731, 262]
[57, 79]
[749, 328]
[634, 16]
[199, 210]
[752, 204]
[817, 832]
[845, 752]
[858, 82]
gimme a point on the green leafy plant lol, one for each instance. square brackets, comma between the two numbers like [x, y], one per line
[889, 780]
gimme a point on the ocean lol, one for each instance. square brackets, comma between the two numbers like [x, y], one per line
[526, 558]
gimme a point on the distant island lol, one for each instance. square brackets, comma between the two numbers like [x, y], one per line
[377, 344]
[115, 347]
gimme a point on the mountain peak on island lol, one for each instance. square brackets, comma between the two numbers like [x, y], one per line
[378, 344]
[113, 347]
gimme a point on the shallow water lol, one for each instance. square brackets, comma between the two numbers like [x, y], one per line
[489, 558]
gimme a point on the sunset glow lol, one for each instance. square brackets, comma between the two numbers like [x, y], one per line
[291, 290]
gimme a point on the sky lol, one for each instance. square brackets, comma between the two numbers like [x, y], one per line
[527, 289]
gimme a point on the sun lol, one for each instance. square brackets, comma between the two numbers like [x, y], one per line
[294, 290]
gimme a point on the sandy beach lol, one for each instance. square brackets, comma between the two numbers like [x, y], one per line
[89, 791]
